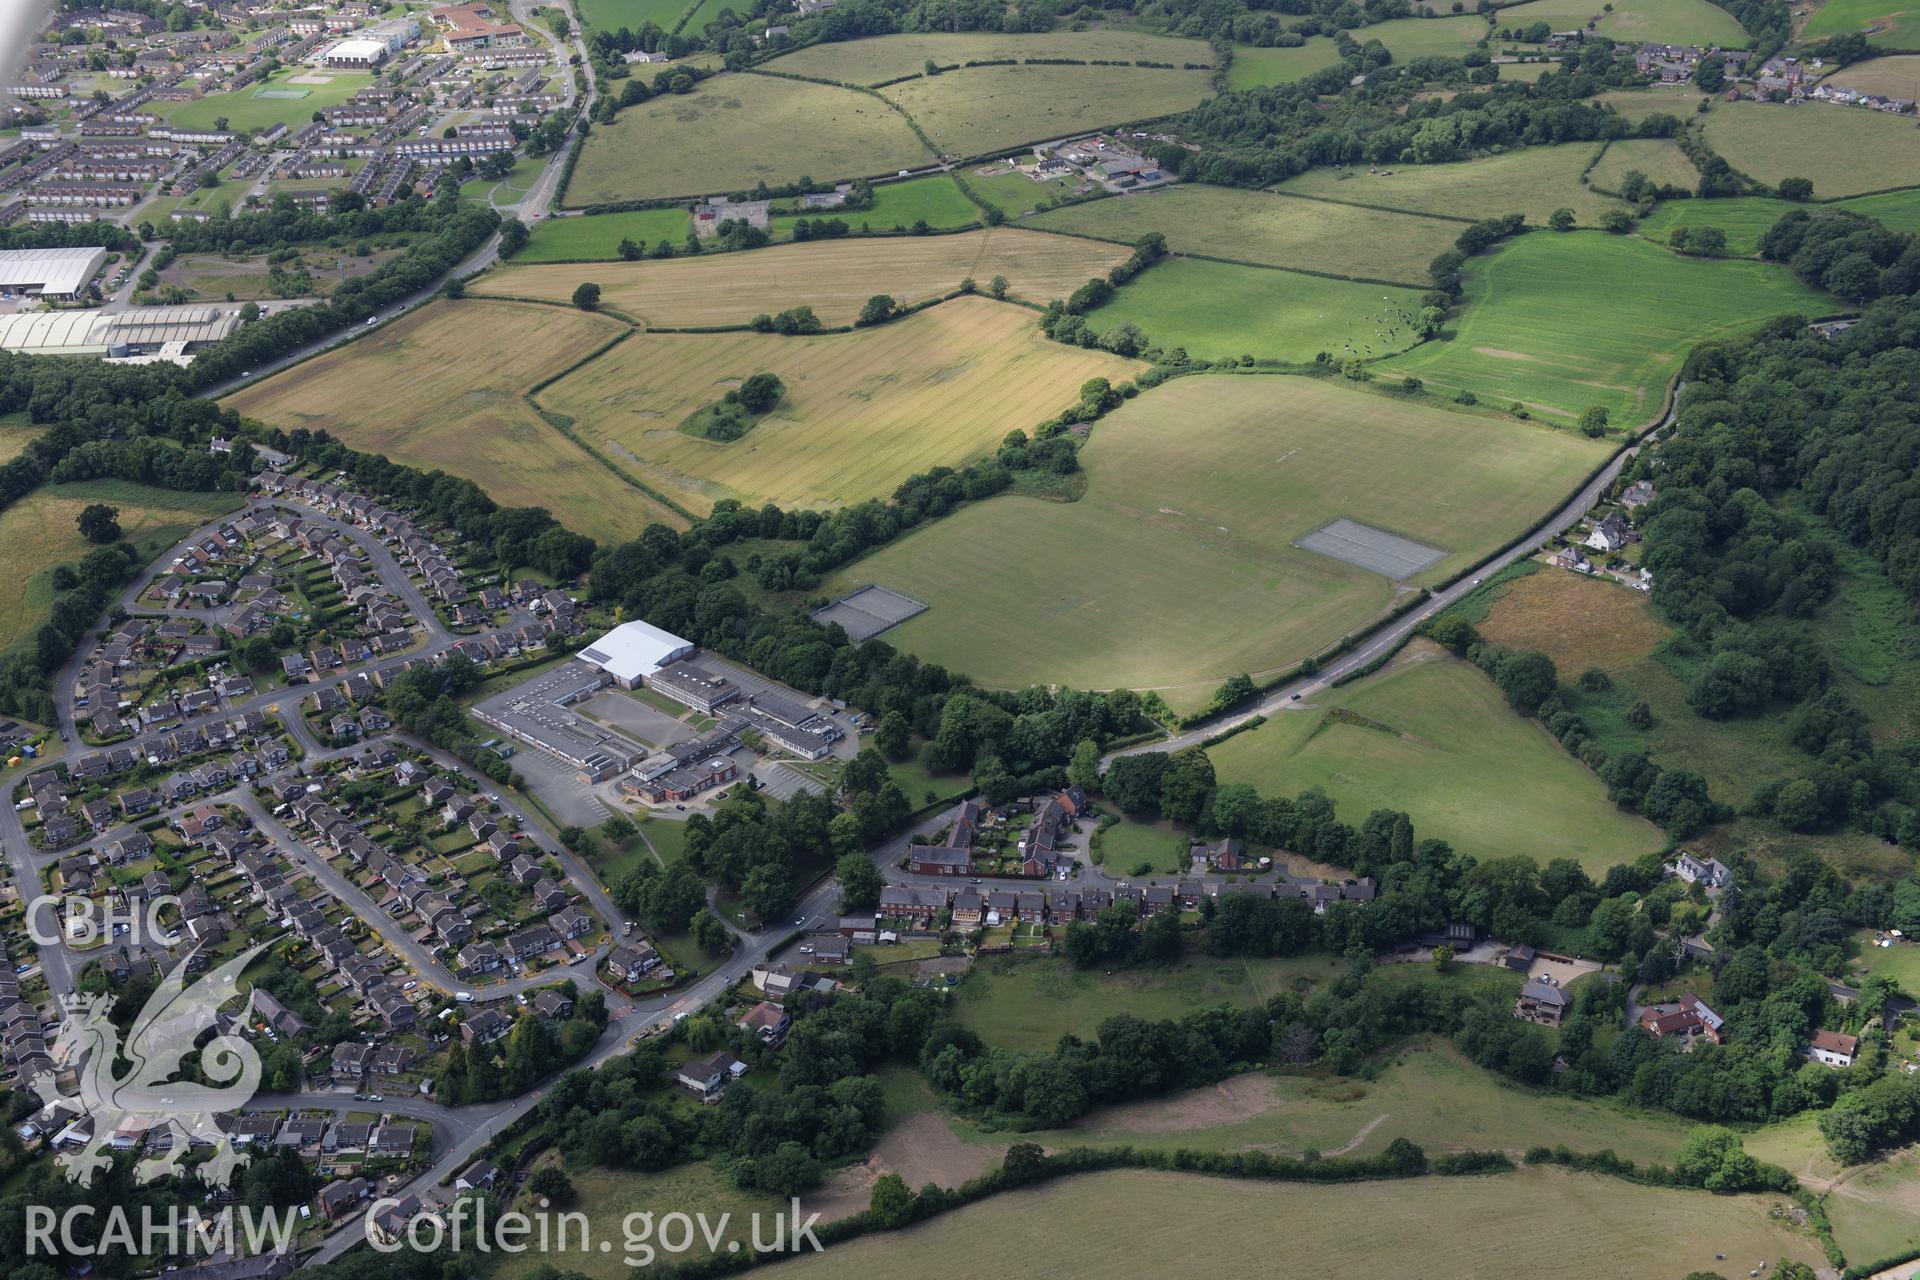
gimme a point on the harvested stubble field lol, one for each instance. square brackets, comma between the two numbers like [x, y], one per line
[1410, 38]
[1533, 180]
[1632, 21]
[1436, 1228]
[1176, 569]
[1747, 219]
[1843, 150]
[979, 110]
[1220, 311]
[734, 131]
[1259, 226]
[1895, 77]
[834, 277]
[880, 58]
[1558, 322]
[1253, 68]
[1431, 736]
[1661, 159]
[444, 388]
[862, 411]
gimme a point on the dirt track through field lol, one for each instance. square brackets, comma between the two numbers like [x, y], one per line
[922, 1148]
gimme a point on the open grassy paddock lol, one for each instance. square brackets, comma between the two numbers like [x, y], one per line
[879, 58]
[862, 411]
[1746, 219]
[1013, 190]
[1632, 21]
[459, 406]
[834, 277]
[245, 108]
[39, 531]
[611, 15]
[1894, 24]
[1254, 68]
[1176, 569]
[1410, 38]
[1661, 159]
[1533, 180]
[1895, 77]
[1843, 150]
[1558, 322]
[979, 110]
[1259, 226]
[1431, 736]
[934, 199]
[1220, 311]
[1680, 100]
[1437, 1228]
[734, 131]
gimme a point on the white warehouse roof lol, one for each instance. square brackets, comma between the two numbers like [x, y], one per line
[92, 333]
[359, 49]
[634, 650]
[61, 271]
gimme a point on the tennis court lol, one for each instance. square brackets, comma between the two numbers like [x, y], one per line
[1375, 550]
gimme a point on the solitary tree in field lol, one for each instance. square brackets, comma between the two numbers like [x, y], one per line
[1561, 220]
[587, 296]
[99, 522]
[1593, 420]
[998, 286]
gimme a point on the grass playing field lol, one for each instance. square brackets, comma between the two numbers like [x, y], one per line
[1661, 159]
[1259, 226]
[862, 411]
[1219, 311]
[1434, 1228]
[1533, 180]
[443, 388]
[886, 57]
[39, 531]
[1439, 743]
[1844, 150]
[1746, 219]
[984, 109]
[1632, 21]
[734, 131]
[834, 277]
[1410, 38]
[1253, 68]
[244, 108]
[1895, 77]
[1176, 569]
[1559, 322]
[1893, 23]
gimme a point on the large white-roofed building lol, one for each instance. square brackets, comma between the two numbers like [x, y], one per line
[635, 650]
[171, 331]
[50, 273]
[359, 52]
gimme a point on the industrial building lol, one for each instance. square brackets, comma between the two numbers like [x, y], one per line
[164, 332]
[50, 273]
[633, 651]
[359, 53]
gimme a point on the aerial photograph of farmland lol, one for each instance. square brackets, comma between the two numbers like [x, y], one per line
[865, 637]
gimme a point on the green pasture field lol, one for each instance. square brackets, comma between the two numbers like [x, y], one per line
[1524, 72]
[935, 199]
[1633, 21]
[611, 15]
[1895, 24]
[1410, 38]
[1637, 104]
[598, 235]
[1434, 1228]
[1900, 962]
[1220, 311]
[1558, 322]
[1895, 77]
[1254, 68]
[39, 532]
[1259, 226]
[1013, 192]
[509, 190]
[1875, 1209]
[1433, 738]
[985, 109]
[1176, 569]
[1747, 219]
[1533, 180]
[879, 58]
[735, 131]
[1028, 1003]
[443, 387]
[1843, 150]
[244, 108]
[1661, 159]
[859, 410]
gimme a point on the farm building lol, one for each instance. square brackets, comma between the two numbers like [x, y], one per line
[167, 331]
[50, 273]
[634, 651]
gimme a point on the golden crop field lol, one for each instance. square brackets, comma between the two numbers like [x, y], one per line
[862, 411]
[445, 388]
[880, 58]
[734, 131]
[1432, 1228]
[834, 277]
[982, 109]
